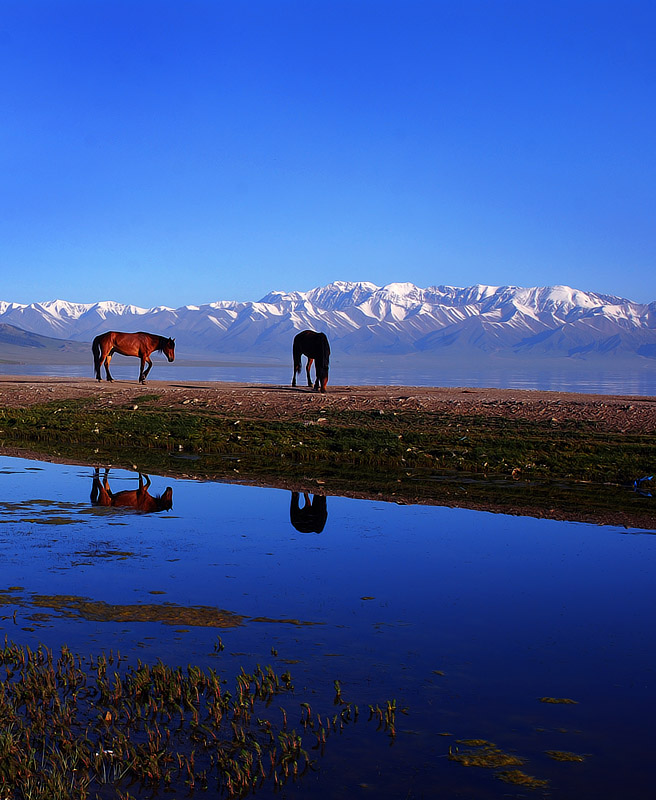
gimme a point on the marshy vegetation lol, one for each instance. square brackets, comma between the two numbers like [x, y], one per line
[423, 442]
[74, 727]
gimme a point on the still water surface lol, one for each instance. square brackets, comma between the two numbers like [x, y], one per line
[563, 377]
[466, 618]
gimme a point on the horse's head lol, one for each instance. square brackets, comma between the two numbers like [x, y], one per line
[322, 377]
[165, 500]
[169, 349]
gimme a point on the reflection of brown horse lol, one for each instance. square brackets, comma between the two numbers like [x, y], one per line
[136, 499]
[312, 517]
[129, 344]
[315, 346]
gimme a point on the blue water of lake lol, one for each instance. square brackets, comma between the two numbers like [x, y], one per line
[466, 618]
[558, 375]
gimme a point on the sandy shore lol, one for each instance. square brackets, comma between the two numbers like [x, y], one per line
[626, 413]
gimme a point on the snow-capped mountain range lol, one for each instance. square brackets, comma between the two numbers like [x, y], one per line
[362, 318]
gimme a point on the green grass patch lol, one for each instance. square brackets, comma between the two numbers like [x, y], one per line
[422, 442]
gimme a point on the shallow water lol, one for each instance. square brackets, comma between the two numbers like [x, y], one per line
[565, 378]
[466, 618]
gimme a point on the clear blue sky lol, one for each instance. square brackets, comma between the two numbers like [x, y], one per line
[183, 152]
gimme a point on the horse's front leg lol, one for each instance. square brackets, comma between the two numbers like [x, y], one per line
[307, 370]
[107, 360]
[143, 374]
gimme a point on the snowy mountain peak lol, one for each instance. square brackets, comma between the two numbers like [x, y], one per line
[361, 317]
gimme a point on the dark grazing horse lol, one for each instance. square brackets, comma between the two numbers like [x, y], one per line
[130, 344]
[311, 518]
[136, 499]
[315, 346]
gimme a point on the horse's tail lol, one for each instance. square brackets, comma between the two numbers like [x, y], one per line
[95, 349]
[296, 352]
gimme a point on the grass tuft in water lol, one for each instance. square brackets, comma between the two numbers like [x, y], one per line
[564, 755]
[519, 778]
[482, 753]
[558, 701]
[72, 728]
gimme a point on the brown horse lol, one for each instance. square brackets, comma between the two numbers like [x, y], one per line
[315, 346]
[136, 499]
[130, 344]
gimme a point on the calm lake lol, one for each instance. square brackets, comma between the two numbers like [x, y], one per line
[638, 378]
[469, 620]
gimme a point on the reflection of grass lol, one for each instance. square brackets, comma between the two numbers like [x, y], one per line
[72, 726]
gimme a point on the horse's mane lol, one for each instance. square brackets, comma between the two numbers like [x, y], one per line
[161, 343]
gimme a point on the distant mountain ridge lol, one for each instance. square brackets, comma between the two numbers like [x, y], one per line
[18, 345]
[361, 318]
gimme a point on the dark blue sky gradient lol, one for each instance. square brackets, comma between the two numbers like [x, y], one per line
[184, 152]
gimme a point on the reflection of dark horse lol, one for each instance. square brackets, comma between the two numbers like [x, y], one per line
[312, 517]
[315, 346]
[130, 344]
[137, 499]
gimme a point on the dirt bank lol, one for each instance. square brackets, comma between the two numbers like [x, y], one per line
[624, 414]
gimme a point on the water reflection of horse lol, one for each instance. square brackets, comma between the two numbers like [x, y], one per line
[137, 499]
[315, 346]
[130, 344]
[312, 517]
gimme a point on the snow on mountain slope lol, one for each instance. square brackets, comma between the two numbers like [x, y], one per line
[360, 317]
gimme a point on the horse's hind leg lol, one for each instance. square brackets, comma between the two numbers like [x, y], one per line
[307, 370]
[297, 358]
[95, 488]
[99, 357]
